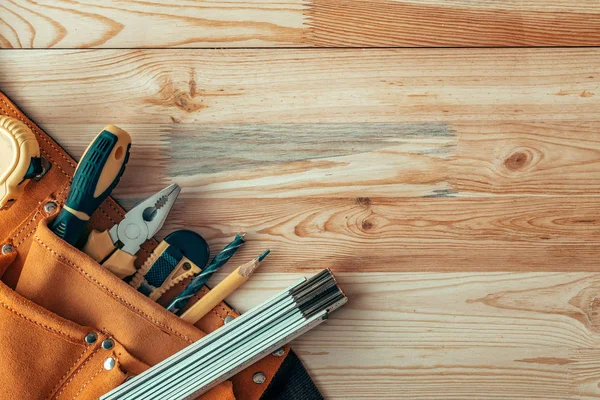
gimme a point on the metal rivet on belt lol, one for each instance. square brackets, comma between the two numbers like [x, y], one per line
[279, 352]
[259, 378]
[50, 207]
[229, 318]
[7, 248]
[109, 363]
[91, 338]
[108, 344]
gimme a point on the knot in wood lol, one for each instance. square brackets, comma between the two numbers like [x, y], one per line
[520, 159]
[367, 225]
[363, 201]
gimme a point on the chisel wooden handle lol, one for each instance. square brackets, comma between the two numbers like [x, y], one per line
[97, 173]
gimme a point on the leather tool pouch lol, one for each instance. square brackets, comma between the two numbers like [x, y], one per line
[64, 319]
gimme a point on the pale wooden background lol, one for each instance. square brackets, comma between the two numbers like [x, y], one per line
[442, 157]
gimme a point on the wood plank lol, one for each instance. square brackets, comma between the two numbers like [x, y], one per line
[298, 23]
[537, 157]
[305, 86]
[451, 336]
[393, 234]
[131, 24]
[439, 23]
[358, 159]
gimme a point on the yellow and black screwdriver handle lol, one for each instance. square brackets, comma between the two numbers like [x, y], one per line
[97, 173]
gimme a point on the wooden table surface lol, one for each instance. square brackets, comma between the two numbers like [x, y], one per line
[443, 158]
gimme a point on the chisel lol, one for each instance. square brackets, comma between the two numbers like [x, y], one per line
[96, 175]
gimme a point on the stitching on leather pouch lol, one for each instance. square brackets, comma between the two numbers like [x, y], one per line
[204, 291]
[115, 209]
[67, 383]
[224, 309]
[113, 294]
[68, 185]
[106, 214]
[85, 384]
[35, 214]
[68, 372]
[12, 239]
[197, 297]
[25, 238]
[3, 304]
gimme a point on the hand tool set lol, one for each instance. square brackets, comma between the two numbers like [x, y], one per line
[182, 255]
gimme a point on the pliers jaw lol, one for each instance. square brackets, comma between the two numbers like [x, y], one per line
[144, 220]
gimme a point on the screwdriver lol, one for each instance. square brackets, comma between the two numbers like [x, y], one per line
[96, 175]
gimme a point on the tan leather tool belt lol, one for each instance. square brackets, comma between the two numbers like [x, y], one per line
[69, 329]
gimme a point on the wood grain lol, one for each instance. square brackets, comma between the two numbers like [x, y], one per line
[394, 234]
[305, 86]
[454, 192]
[434, 23]
[452, 336]
[131, 24]
[297, 23]
[509, 180]
[359, 159]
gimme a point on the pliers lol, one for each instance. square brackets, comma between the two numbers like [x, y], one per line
[115, 249]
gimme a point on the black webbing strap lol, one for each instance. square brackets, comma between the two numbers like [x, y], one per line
[291, 382]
